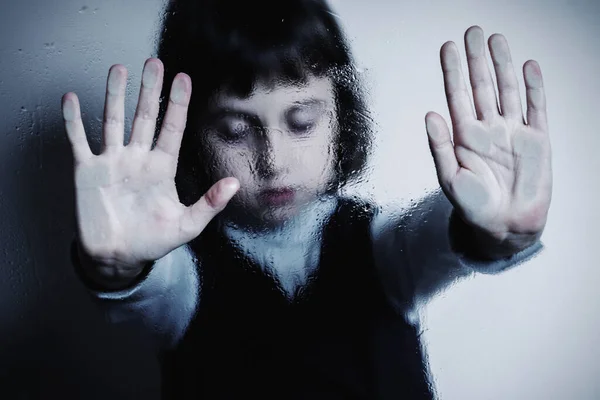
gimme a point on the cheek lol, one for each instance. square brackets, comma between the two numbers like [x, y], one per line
[317, 157]
[226, 161]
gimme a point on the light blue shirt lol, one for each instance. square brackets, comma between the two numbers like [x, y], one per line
[411, 248]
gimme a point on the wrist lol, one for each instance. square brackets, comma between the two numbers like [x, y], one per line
[479, 244]
[495, 248]
[104, 276]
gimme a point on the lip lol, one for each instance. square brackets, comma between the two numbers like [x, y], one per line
[278, 196]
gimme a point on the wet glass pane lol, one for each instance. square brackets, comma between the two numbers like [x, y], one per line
[299, 199]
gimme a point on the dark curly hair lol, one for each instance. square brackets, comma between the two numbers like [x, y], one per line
[232, 44]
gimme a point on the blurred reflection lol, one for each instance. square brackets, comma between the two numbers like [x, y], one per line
[293, 290]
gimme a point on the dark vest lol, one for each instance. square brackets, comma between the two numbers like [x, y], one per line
[338, 339]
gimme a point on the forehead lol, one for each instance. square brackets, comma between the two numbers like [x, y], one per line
[276, 95]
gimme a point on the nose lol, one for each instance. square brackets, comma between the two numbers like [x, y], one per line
[273, 155]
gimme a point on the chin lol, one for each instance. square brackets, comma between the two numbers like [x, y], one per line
[276, 216]
[260, 217]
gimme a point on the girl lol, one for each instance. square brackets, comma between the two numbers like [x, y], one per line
[293, 290]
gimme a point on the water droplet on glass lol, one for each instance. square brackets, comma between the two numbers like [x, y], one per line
[23, 109]
[83, 9]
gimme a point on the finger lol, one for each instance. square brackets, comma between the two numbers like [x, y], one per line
[508, 86]
[442, 149]
[114, 108]
[144, 122]
[173, 124]
[457, 95]
[74, 127]
[198, 215]
[484, 94]
[536, 97]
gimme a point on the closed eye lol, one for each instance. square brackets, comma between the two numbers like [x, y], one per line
[302, 120]
[234, 127]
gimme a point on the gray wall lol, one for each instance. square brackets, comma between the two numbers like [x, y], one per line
[52, 338]
[526, 334]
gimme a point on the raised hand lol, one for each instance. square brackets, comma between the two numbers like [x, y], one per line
[497, 169]
[128, 210]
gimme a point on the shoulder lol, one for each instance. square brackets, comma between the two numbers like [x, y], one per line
[384, 225]
[355, 209]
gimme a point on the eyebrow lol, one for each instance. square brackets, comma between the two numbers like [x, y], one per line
[310, 102]
[221, 111]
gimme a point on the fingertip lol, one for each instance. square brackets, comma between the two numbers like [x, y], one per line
[221, 192]
[154, 60]
[230, 186]
[184, 78]
[532, 66]
[117, 68]
[69, 105]
[117, 73]
[532, 74]
[117, 79]
[431, 127]
[151, 73]
[449, 45]
[154, 64]
[449, 56]
[181, 89]
[496, 37]
[69, 96]
[430, 118]
[474, 29]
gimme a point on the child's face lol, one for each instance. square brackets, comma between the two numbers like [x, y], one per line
[279, 143]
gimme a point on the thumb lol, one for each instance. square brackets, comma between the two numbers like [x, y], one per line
[198, 215]
[442, 149]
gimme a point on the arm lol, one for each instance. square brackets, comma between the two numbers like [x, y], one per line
[421, 251]
[163, 298]
[128, 208]
[494, 172]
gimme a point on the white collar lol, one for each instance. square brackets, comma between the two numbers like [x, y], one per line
[289, 252]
